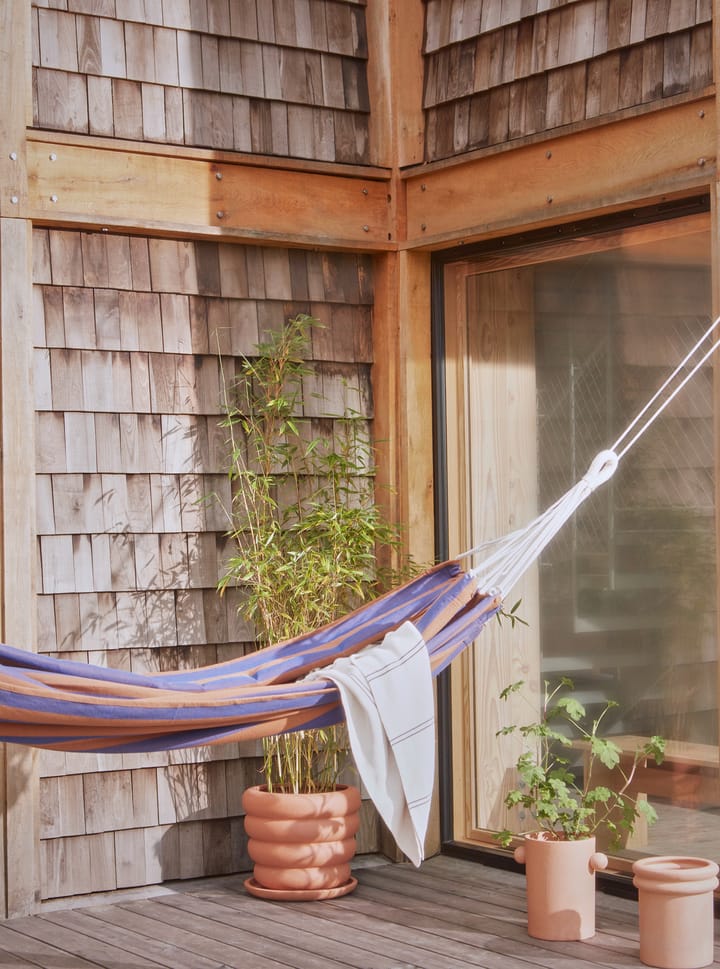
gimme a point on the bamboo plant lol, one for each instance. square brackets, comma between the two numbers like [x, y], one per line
[304, 522]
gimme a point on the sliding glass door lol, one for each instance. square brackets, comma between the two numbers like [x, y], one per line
[550, 351]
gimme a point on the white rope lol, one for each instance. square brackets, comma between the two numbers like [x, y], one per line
[500, 570]
[504, 560]
[675, 392]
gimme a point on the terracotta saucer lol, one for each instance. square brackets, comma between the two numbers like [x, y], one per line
[300, 894]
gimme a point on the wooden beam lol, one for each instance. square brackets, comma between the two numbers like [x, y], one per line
[19, 784]
[15, 103]
[94, 185]
[402, 394]
[663, 153]
[715, 262]
[17, 563]
[395, 79]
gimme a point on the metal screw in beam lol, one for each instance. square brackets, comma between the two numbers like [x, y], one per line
[218, 176]
[13, 156]
[14, 199]
[220, 214]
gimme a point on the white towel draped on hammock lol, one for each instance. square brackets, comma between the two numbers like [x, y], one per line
[387, 696]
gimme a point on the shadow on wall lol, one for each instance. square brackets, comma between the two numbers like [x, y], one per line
[207, 837]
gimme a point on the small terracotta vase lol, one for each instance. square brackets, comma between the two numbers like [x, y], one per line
[302, 844]
[560, 879]
[675, 905]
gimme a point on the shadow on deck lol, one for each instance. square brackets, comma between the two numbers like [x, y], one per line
[449, 914]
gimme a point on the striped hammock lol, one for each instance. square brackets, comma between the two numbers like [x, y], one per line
[64, 705]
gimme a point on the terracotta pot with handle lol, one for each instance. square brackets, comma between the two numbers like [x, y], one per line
[560, 886]
[301, 844]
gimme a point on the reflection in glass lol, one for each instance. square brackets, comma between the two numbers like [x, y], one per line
[628, 589]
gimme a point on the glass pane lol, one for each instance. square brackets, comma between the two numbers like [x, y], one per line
[628, 589]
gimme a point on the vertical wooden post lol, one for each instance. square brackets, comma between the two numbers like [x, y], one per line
[395, 80]
[402, 392]
[402, 374]
[19, 794]
[17, 510]
[715, 281]
[15, 104]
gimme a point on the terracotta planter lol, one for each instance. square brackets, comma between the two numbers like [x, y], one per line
[675, 903]
[302, 844]
[560, 886]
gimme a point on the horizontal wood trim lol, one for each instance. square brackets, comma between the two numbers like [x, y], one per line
[218, 156]
[636, 235]
[98, 187]
[663, 153]
[571, 128]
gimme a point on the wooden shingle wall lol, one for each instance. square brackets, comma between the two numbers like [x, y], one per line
[501, 70]
[281, 78]
[130, 337]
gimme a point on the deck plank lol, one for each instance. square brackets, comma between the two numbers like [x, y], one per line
[217, 934]
[185, 947]
[451, 913]
[288, 925]
[495, 942]
[64, 936]
[29, 951]
[145, 948]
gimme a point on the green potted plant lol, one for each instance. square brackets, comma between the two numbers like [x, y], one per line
[568, 813]
[307, 532]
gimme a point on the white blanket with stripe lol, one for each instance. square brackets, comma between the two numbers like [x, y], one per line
[387, 696]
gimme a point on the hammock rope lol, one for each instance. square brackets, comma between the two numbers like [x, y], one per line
[64, 705]
[665, 387]
[503, 561]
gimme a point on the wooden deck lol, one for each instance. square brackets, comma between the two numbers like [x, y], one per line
[450, 914]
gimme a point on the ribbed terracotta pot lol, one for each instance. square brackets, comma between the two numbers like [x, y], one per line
[302, 844]
[675, 906]
[560, 879]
